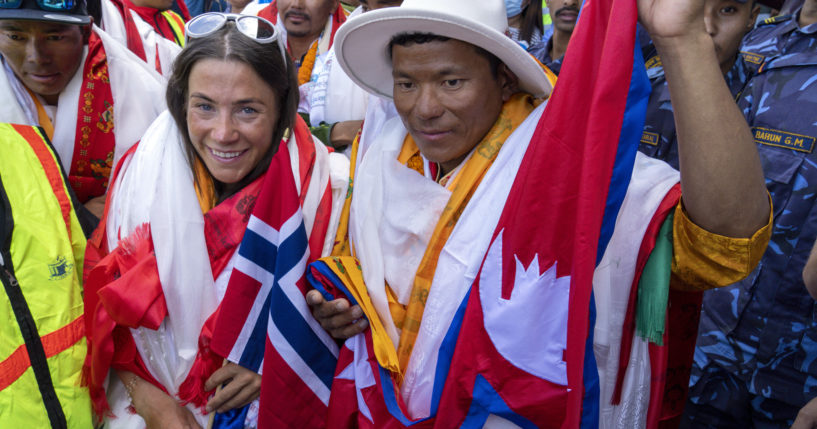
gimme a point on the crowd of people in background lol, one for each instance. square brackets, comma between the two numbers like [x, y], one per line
[302, 213]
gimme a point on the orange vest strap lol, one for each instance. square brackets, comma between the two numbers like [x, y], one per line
[14, 366]
[52, 170]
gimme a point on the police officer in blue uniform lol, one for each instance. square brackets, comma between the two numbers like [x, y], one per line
[727, 22]
[756, 358]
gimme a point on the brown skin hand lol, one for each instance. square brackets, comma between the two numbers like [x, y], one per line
[344, 133]
[157, 408]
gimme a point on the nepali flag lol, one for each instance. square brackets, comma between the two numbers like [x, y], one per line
[573, 180]
[264, 322]
[519, 348]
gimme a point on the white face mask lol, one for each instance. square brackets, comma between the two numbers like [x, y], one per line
[513, 7]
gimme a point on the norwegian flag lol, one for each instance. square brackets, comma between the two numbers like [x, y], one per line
[519, 348]
[264, 319]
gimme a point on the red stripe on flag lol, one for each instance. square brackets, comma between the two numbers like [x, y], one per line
[240, 303]
[281, 385]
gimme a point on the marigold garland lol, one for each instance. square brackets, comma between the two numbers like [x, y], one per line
[305, 72]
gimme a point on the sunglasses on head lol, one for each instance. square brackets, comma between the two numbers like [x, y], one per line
[256, 28]
[51, 5]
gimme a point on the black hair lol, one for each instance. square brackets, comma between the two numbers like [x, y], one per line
[228, 44]
[405, 39]
[94, 9]
[532, 21]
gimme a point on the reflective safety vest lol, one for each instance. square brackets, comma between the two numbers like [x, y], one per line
[546, 19]
[176, 24]
[42, 334]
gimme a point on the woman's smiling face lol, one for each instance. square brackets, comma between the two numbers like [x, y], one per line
[231, 115]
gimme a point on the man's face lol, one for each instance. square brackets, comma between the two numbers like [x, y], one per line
[379, 4]
[727, 21]
[43, 55]
[155, 4]
[238, 4]
[447, 97]
[305, 18]
[564, 14]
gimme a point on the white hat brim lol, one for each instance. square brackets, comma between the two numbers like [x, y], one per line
[361, 45]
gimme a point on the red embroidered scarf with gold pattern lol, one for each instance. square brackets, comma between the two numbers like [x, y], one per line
[94, 141]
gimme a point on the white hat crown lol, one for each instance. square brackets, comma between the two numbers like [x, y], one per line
[362, 43]
[490, 13]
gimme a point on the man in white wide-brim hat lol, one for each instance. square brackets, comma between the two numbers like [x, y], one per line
[467, 100]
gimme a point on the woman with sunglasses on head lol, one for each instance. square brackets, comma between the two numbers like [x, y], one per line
[231, 150]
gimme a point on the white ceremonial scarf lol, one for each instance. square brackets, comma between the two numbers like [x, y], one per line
[612, 280]
[152, 42]
[156, 186]
[334, 97]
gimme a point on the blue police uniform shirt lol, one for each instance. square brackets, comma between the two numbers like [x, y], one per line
[764, 328]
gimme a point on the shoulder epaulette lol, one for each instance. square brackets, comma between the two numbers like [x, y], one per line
[776, 19]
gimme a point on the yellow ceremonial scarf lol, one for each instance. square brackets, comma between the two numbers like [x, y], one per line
[42, 117]
[205, 188]
[465, 183]
[407, 318]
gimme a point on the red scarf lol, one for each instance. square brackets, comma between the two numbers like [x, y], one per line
[94, 139]
[124, 289]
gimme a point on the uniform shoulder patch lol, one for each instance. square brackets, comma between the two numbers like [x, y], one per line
[653, 62]
[649, 138]
[777, 138]
[753, 58]
[776, 19]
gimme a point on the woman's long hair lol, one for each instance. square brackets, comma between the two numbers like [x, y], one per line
[531, 21]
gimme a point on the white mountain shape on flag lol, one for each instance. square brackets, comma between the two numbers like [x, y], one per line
[359, 371]
[530, 328]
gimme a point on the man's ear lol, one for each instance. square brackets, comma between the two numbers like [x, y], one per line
[753, 17]
[508, 81]
[86, 31]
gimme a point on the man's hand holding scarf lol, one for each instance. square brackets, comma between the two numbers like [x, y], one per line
[336, 316]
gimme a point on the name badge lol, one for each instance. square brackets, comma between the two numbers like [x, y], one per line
[753, 58]
[650, 138]
[777, 138]
[653, 62]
